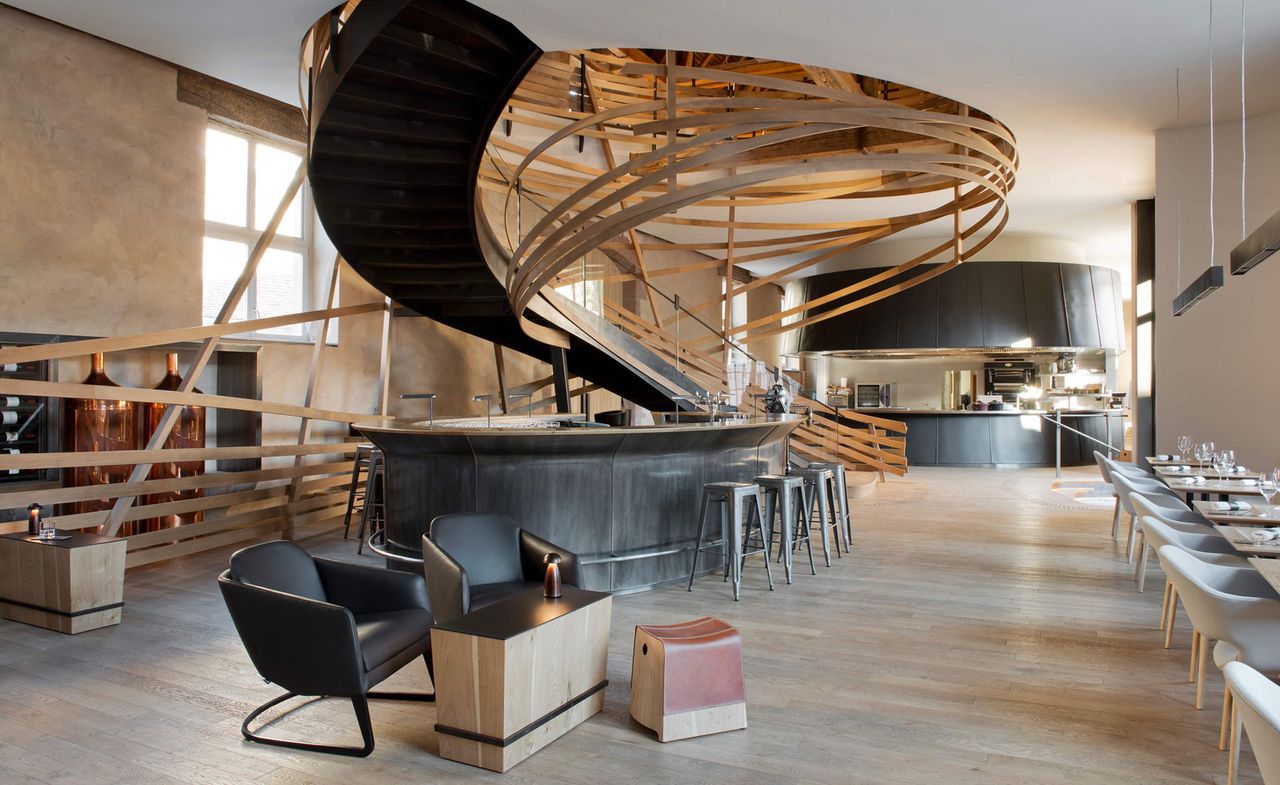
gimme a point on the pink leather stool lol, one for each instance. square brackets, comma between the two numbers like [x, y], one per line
[686, 679]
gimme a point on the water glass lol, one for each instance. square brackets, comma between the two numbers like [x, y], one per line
[1267, 489]
[1184, 446]
[47, 529]
[1228, 460]
[1204, 452]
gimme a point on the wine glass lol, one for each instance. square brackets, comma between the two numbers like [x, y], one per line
[1267, 488]
[1228, 461]
[1184, 446]
[1204, 452]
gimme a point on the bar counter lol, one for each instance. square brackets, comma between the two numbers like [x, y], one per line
[625, 499]
[1009, 437]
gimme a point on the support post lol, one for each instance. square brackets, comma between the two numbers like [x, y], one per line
[560, 376]
[502, 378]
[1057, 444]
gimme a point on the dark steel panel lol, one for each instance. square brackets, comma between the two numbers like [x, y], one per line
[1004, 310]
[1082, 314]
[960, 307]
[964, 439]
[922, 439]
[918, 316]
[1042, 288]
[1024, 440]
[878, 324]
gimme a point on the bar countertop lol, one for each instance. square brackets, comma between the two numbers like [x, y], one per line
[890, 412]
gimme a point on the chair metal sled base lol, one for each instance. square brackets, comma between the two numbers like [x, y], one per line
[359, 702]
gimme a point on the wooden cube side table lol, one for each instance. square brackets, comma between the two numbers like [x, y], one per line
[515, 676]
[68, 585]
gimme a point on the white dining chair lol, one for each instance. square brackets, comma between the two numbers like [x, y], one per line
[1256, 702]
[1155, 492]
[1182, 520]
[1235, 607]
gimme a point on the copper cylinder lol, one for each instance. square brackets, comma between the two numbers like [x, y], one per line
[97, 425]
[188, 432]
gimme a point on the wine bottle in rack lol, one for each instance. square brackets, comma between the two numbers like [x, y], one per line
[8, 417]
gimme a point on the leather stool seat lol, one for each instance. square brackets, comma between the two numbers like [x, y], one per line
[687, 679]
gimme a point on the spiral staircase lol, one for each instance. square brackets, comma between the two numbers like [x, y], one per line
[402, 95]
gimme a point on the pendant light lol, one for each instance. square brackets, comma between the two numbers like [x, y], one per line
[1265, 241]
[1212, 278]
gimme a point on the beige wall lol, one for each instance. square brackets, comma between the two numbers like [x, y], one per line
[101, 220]
[1216, 371]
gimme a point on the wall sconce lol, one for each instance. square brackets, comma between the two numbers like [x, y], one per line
[551, 586]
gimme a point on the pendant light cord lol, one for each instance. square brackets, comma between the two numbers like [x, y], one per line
[1244, 140]
[1212, 239]
[1177, 136]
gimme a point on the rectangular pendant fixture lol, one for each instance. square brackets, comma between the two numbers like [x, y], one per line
[1263, 242]
[1209, 282]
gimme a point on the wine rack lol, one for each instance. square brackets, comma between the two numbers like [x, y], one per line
[27, 425]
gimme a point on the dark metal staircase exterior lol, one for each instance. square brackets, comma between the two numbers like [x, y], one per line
[400, 114]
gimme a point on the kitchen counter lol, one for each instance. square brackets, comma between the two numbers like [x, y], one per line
[1009, 437]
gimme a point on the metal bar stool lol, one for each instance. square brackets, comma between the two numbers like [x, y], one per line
[737, 499]
[373, 512]
[841, 497]
[819, 493]
[356, 495]
[784, 499]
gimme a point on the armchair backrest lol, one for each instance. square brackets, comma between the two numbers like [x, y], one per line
[1222, 602]
[1167, 509]
[1101, 460]
[486, 544]
[1126, 486]
[280, 565]
[1161, 534]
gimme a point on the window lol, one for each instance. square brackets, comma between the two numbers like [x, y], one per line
[245, 178]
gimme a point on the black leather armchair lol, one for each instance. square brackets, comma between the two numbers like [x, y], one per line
[476, 559]
[319, 627]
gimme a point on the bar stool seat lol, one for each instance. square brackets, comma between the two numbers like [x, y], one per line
[841, 497]
[739, 500]
[819, 496]
[784, 501]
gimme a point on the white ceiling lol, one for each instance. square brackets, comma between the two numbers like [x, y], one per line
[1084, 85]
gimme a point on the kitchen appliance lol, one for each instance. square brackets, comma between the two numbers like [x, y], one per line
[1008, 378]
[874, 395]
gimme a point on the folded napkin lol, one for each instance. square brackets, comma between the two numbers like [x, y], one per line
[1196, 480]
[1232, 506]
[1239, 469]
[1164, 457]
[1248, 482]
[1177, 469]
[1264, 535]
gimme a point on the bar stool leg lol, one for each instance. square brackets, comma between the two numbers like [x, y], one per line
[697, 543]
[733, 545]
[801, 520]
[823, 515]
[843, 490]
[752, 509]
[833, 521]
[726, 511]
[787, 521]
[351, 495]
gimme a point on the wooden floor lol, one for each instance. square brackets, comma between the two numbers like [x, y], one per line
[985, 630]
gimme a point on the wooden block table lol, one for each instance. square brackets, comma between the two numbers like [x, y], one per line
[66, 585]
[515, 676]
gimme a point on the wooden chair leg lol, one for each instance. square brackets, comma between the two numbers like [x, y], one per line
[1164, 605]
[1204, 647]
[1196, 642]
[1115, 520]
[1233, 747]
[1226, 716]
[1140, 571]
[1133, 533]
[1173, 612]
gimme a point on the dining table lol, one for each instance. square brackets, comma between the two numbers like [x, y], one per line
[1223, 489]
[1256, 515]
[1242, 540]
[1269, 569]
[1178, 470]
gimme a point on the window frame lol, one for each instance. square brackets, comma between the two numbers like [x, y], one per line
[248, 235]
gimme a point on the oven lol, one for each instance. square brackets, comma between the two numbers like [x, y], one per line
[1008, 379]
[874, 395]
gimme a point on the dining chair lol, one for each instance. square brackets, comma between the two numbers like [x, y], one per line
[1205, 547]
[1156, 492]
[1179, 520]
[1235, 607]
[1256, 706]
[1101, 460]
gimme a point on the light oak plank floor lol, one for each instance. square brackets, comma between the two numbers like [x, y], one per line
[985, 630]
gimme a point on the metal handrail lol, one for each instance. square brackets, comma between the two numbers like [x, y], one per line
[1056, 420]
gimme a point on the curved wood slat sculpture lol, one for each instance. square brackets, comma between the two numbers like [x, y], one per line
[698, 132]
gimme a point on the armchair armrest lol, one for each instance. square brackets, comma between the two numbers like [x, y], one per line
[363, 588]
[306, 646]
[532, 550]
[448, 585]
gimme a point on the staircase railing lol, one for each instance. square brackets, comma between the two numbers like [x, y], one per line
[858, 440]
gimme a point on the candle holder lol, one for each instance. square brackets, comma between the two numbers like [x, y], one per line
[551, 586]
[33, 519]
